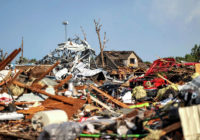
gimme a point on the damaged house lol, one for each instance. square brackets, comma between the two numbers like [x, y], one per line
[116, 59]
[120, 64]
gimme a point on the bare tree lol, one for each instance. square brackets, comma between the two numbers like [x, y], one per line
[84, 34]
[98, 28]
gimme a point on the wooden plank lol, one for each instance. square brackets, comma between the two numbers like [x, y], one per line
[165, 79]
[63, 82]
[197, 68]
[170, 128]
[9, 58]
[5, 61]
[109, 97]
[102, 104]
[59, 98]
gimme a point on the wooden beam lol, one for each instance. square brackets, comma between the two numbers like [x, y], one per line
[165, 79]
[102, 104]
[4, 62]
[63, 82]
[59, 98]
[9, 58]
[109, 97]
[170, 128]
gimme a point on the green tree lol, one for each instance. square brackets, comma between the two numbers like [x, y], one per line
[190, 58]
[179, 58]
[194, 55]
[33, 61]
[195, 52]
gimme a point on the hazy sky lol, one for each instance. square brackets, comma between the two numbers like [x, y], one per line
[151, 28]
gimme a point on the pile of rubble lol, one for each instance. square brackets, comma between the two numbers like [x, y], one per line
[73, 99]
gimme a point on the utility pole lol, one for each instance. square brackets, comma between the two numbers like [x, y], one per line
[22, 48]
[65, 23]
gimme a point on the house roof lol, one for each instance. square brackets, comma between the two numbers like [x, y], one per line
[120, 54]
[115, 59]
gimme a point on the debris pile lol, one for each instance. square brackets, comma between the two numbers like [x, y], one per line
[73, 99]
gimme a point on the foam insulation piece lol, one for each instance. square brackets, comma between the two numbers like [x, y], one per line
[139, 92]
[44, 118]
[16, 90]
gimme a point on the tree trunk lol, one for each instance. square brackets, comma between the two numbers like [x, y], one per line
[102, 59]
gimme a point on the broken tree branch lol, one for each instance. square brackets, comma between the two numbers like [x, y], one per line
[84, 34]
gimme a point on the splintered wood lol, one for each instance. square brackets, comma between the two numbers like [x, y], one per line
[21, 129]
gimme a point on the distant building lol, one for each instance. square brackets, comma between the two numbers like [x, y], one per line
[116, 59]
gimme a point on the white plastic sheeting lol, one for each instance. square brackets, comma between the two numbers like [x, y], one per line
[4, 74]
[86, 72]
[127, 98]
[60, 73]
[5, 97]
